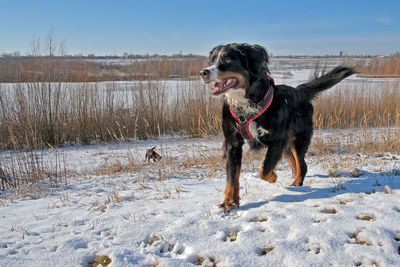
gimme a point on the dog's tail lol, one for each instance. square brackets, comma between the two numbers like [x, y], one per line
[326, 81]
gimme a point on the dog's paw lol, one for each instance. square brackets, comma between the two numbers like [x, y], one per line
[270, 177]
[297, 182]
[227, 207]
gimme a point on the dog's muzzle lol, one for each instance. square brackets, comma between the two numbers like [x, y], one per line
[205, 75]
[209, 74]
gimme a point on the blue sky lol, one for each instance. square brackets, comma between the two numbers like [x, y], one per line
[167, 27]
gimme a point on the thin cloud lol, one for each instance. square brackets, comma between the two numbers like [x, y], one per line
[384, 20]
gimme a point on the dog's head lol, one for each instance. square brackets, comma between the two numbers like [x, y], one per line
[235, 66]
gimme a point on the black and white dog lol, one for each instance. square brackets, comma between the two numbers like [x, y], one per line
[263, 114]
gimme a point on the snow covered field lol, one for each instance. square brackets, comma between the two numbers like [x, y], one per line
[165, 214]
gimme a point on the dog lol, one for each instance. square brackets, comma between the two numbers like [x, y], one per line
[256, 110]
[151, 154]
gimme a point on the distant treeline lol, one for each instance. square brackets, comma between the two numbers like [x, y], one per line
[17, 55]
[92, 69]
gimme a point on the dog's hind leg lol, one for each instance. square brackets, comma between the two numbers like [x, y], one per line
[274, 154]
[288, 155]
[298, 178]
[299, 150]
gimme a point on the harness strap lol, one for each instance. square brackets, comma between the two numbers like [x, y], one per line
[244, 121]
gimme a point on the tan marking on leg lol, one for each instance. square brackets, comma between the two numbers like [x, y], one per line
[231, 200]
[236, 187]
[297, 180]
[229, 190]
[270, 177]
[292, 162]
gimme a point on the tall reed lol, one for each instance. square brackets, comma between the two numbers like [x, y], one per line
[358, 106]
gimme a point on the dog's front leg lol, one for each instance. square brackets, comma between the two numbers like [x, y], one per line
[274, 154]
[233, 164]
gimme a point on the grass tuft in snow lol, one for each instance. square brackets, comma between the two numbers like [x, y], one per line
[329, 211]
[206, 261]
[343, 202]
[231, 237]
[356, 239]
[387, 189]
[100, 260]
[266, 250]
[355, 173]
[261, 218]
[159, 242]
[366, 217]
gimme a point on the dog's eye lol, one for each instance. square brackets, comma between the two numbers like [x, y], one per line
[227, 60]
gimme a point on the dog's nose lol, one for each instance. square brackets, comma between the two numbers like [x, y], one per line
[204, 73]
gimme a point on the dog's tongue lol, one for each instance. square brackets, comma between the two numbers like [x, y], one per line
[220, 86]
[217, 87]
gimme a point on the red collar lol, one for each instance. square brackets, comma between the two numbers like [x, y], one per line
[244, 121]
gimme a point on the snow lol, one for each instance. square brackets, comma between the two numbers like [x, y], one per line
[166, 213]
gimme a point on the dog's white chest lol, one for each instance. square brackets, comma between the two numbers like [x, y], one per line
[236, 98]
[257, 131]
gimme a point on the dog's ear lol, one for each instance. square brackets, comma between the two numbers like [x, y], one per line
[153, 148]
[254, 58]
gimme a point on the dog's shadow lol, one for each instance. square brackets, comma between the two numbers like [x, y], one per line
[367, 183]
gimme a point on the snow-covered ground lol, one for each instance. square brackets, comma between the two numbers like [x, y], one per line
[165, 214]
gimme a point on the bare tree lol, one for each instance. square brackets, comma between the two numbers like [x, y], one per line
[51, 42]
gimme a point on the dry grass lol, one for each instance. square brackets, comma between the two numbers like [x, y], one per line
[34, 115]
[358, 106]
[42, 112]
[261, 218]
[205, 261]
[329, 211]
[231, 237]
[166, 67]
[343, 202]
[28, 168]
[388, 67]
[116, 167]
[366, 141]
[366, 217]
[102, 260]
[39, 114]
[35, 68]
[212, 162]
[356, 239]
[266, 250]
